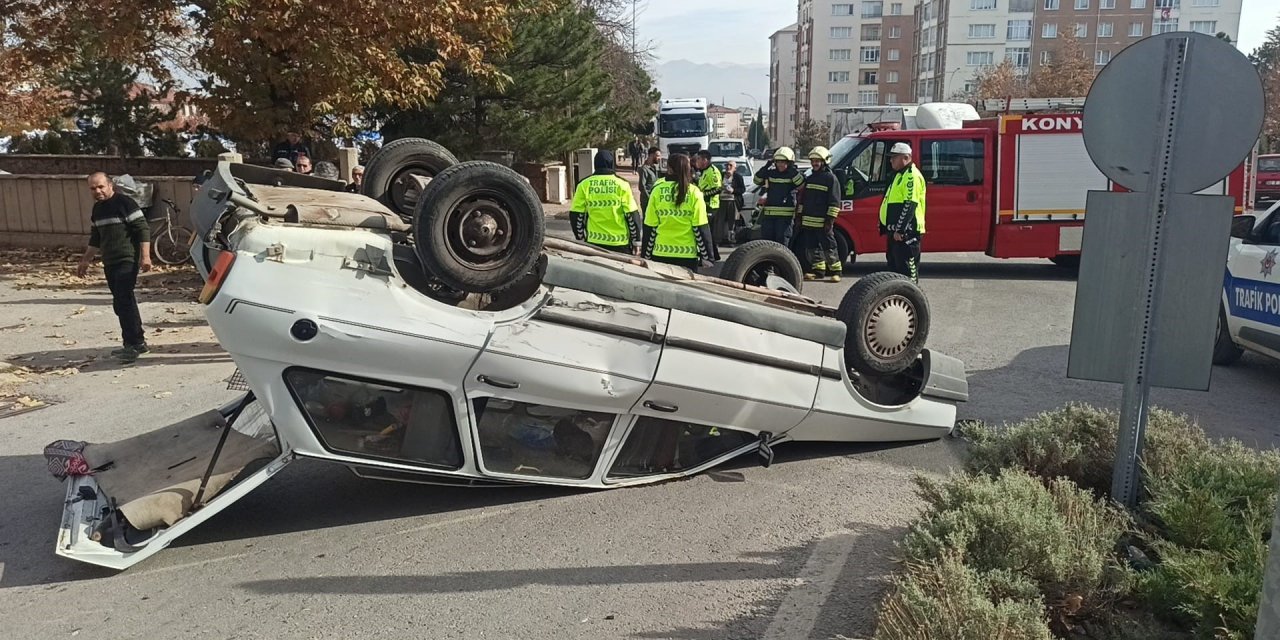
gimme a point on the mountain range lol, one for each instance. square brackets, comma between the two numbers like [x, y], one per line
[722, 83]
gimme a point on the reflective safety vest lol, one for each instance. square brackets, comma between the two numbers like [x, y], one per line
[606, 200]
[780, 193]
[711, 183]
[908, 187]
[821, 199]
[675, 224]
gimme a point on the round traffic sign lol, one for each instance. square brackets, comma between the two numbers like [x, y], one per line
[1215, 91]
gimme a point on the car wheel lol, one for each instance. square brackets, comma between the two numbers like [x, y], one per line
[479, 227]
[1225, 350]
[887, 317]
[398, 172]
[1067, 261]
[844, 249]
[753, 262]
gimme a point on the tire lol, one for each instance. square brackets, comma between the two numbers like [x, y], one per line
[1225, 351]
[388, 176]
[479, 227]
[844, 248]
[887, 317]
[174, 246]
[1067, 261]
[751, 263]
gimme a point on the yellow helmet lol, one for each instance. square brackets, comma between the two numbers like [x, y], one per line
[784, 153]
[820, 153]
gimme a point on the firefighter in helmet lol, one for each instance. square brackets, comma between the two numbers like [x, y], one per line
[780, 179]
[816, 218]
[902, 213]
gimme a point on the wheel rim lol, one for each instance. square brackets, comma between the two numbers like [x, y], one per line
[891, 326]
[479, 232]
[759, 274]
[405, 190]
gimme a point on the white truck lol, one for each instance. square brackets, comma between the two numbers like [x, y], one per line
[683, 126]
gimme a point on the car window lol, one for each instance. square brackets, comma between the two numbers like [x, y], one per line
[536, 440]
[726, 149]
[378, 420]
[742, 170]
[952, 162]
[657, 446]
[871, 162]
[1269, 164]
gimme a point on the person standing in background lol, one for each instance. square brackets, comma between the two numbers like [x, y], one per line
[603, 213]
[710, 183]
[120, 232]
[902, 213]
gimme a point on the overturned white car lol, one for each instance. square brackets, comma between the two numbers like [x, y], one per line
[466, 348]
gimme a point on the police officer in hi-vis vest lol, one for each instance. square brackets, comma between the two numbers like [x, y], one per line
[902, 213]
[676, 227]
[604, 212]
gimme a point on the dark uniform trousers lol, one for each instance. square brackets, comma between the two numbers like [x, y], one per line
[904, 258]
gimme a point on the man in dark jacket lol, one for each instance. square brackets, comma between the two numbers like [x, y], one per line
[650, 172]
[819, 206]
[291, 148]
[780, 178]
[121, 233]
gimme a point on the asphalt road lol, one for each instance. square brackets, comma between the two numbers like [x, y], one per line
[798, 550]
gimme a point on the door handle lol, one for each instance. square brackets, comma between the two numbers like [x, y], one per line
[661, 406]
[497, 382]
[972, 196]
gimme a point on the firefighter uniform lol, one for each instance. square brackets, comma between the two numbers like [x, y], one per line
[604, 212]
[676, 233]
[902, 212]
[780, 199]
[819, 206]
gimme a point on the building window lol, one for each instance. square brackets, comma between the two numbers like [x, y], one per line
[841, 33]
[871, 33]
[1046, 57]
[869, 55]
[868, 97]
[893, 55]
[1164, 26]
[841, 54]
[1082, 4]
[870, 77]
[1082, 30]
[895, 9]
[1051, 5]
[1018, 30]
[838, 76]
[1135, 29]
[891, 98]
[1022, 6]
[1205, 26]
[872, 9]
[982, 5]
[1018, 56]
[1049, 30]
[895, 32]
[1102, 57]
[1107, 4]
[891, 77]
[982, 31]
[1137, 4]
[1167, 4]
[926, 37]
[1205, 3]
[837, 98]
[969, 87]
[980, 58]
[1106, 30]
[842, 9]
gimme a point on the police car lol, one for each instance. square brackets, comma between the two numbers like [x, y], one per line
[1250, 315]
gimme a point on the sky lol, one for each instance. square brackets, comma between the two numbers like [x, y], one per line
[737, 31]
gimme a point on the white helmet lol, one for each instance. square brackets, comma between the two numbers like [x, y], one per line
[784, 153]
[900, 149]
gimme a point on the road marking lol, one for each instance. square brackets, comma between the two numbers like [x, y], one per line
[798, 613]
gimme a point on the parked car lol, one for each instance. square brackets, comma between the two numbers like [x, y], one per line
[1250, 314]
[1268, 180]
[466, 348]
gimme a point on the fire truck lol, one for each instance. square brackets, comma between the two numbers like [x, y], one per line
[1010, 186]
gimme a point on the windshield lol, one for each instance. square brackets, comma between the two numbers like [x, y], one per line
[742, 170]
[840, 152]
[690, 125]
[1269, 165]
[727, 149]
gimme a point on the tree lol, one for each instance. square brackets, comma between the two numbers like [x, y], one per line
[167, 144]
[758, 138]
[811, 133]
[118, 111]
[269, 65]
[1266, 58]
[52, 141]
[1004, 80]
[209, 147]
[1070, 71]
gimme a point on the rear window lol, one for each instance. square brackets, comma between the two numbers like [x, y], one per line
[727, 149]
[1269, 164]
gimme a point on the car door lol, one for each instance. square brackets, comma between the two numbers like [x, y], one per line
[548, 391]
[1252, 288]
[869, 172]
[956, 202]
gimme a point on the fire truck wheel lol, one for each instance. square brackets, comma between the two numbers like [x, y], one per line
[1225, 350]
[398, 172]
[1066, 262]
[479, 227]
[887, 317]
[753, 262]
[844, 249]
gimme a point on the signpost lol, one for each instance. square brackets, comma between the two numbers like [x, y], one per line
[1168, 117]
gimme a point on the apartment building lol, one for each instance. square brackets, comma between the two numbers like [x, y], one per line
[782, 85]
[841, 47]
[959, 38]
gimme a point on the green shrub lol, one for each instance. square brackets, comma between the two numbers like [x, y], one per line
[947, 599]
[1079, 442]
[1211, 516]
[1024, 536]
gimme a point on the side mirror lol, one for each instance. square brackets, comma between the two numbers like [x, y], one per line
[1242, 226]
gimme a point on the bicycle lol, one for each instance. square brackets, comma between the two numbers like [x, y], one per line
[170, 244]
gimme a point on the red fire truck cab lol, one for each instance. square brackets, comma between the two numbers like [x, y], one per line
[1011, 186]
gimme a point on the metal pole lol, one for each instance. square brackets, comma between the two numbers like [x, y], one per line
[1125, 480]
